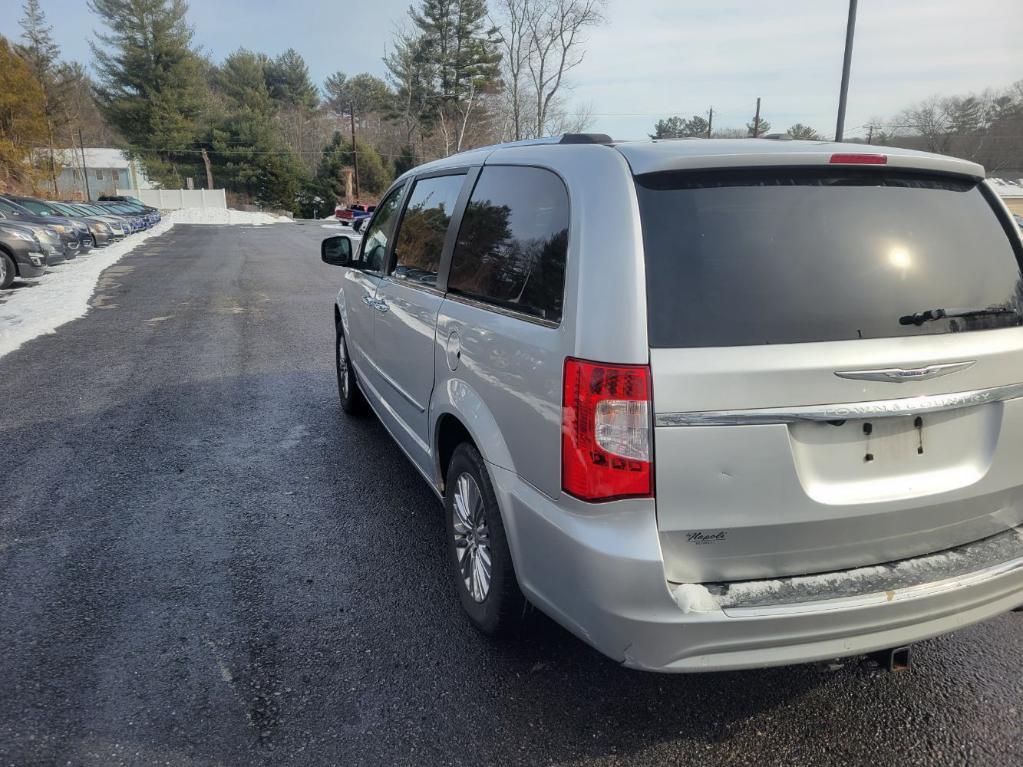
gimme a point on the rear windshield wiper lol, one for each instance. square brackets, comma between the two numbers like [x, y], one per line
[930, 315]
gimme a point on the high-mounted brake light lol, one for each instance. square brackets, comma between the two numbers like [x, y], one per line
[606, 442]
[859, 159]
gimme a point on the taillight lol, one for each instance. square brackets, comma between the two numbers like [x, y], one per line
[606, 439]
[859, 159]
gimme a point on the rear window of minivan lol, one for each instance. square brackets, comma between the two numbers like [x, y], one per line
[737, 258]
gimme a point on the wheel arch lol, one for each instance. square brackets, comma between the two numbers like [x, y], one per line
[7, 252]
[462, 415]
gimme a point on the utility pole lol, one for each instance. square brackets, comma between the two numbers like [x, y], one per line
[209, 170]
[710, 121]
[355, 154]
[850, 29]
[756, 120]
[870, 134]
[85, 168]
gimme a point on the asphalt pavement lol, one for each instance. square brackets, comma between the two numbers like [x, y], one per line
[203, 562]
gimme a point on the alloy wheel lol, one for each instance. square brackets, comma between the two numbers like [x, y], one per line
[342, 365]
[472, 537]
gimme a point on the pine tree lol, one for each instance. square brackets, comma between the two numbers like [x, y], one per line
[460, 51]
[409, 73]
[151, 82]
[43, 57]
[805, 132]
[755, 129]
[287, 77]
[351, 97]
[673, 127]
[338, 156]
[245, 145]
[39, 49]
[696, 127]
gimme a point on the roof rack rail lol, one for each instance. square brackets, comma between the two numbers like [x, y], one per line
[585, 138]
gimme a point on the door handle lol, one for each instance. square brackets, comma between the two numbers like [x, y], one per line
[377, 304]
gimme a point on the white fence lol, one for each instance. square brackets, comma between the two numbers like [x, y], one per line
[179, 198]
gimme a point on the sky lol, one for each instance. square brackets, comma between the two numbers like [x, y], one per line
[656, 58]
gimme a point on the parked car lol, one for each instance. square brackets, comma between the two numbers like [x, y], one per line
[48, 212]
[49, 239]
[118, 226]
[99, 227]
[21, 254]
[707, 404]
[137, 221]
[70, 235]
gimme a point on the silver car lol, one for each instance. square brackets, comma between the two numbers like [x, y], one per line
[708, 404]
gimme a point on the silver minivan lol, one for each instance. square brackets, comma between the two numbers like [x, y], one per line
[708, 404]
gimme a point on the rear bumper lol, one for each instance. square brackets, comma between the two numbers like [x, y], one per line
[598, 571]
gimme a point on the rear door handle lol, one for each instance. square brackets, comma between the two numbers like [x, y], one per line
[379, 305]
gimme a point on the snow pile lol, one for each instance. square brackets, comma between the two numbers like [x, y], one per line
[223, 216]
[1006, 188]
[63, 293]
[694, 598]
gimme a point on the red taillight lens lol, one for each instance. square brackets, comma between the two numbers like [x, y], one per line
[606, 439]
[859, 159]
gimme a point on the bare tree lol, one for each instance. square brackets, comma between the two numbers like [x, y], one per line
[555, 37]
[542, 40]
[515, 48]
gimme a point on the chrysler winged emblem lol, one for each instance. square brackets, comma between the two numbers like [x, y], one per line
[901, 375]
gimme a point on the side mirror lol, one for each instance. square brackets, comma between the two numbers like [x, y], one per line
[337, 251]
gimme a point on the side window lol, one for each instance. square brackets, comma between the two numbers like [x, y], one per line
[421, 232]
[377, 235]
[513, 241]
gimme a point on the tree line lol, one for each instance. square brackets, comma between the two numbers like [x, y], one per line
[986, 128]
[458, 74]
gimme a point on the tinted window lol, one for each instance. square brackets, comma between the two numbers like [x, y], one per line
[377, 235]
[791, 256]
[7, 207]
[513, 241]
[39, 208]
[421, 234]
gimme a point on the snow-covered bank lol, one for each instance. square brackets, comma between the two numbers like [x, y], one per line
[63, 293]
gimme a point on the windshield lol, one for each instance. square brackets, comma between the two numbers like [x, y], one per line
[789, 256]
[39, 208]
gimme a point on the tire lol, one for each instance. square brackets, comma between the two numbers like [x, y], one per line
[497, 607]
[352, 400]
[7, 271]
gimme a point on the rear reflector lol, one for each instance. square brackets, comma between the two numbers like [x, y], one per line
[859, 159]
[606, 442]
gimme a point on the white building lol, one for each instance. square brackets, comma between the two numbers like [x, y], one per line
[106, 171]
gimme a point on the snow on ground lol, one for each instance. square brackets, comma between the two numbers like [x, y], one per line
[63, 293]
[224, 216]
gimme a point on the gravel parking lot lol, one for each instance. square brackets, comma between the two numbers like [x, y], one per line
[202, 562]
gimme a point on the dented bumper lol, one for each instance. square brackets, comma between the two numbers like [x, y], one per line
[598, 571]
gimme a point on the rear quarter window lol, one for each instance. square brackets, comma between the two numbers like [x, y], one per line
[513, 242]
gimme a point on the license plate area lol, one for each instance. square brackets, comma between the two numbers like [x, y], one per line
[856, 460]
